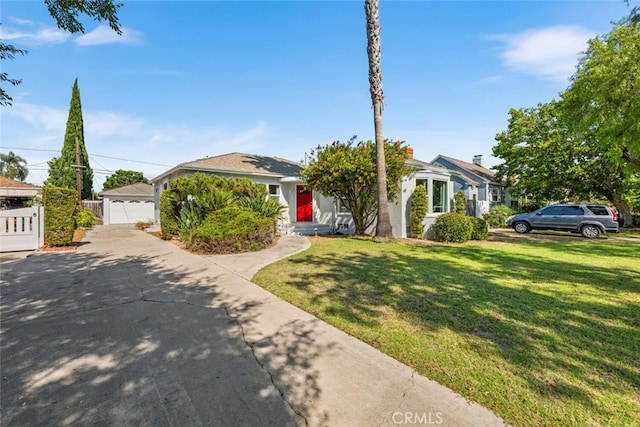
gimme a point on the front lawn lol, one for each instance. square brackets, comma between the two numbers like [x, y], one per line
[542, 333]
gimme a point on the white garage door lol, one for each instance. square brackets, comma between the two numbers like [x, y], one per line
[130, 211]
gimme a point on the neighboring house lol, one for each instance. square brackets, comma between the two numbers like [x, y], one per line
[16, 194]
[21, 226]
[128, 205]
[478, 183]
[307, 212]
[439, 184]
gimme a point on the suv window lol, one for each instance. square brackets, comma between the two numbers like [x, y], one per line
[598, 209]
[572, 210]
[552, 210]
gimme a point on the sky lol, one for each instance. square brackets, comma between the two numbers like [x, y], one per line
[191, 79]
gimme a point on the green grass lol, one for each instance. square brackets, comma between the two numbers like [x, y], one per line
[542, 333]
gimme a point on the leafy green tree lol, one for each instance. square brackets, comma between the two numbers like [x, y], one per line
[67, 15]
[13, 166]
[347, 172]
[383, 225]
[123, 177]
[587, 144]
[62, 170]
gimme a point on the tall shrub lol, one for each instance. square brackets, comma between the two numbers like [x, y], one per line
[418, 211]
[459, 203]
[59, 211]
[169, 211]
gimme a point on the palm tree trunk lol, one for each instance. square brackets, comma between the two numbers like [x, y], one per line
[383, 224]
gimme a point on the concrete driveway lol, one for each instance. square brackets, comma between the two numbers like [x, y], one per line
[132, 330]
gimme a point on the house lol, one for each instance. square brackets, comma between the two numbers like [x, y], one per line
[307, 212]
[128, 205]
[16, 194]
[478, 183]
[439, 183]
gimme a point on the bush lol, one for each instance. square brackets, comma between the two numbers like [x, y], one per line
[460, 203]
[59, 210]
[498, 215]
[232, 229]
[480, 229]
[85, 218]
[169, 211]
[418, 211]
[453, 227]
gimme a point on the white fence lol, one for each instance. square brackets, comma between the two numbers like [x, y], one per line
[21, 229]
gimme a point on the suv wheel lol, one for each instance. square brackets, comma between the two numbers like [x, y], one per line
[590, 231]
[521, 227]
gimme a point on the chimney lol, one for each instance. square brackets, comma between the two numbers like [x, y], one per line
[409, 152]
[477, 159]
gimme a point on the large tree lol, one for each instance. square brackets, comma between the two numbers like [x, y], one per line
[383, 224]
[67, 15]
[13, 166]
[62, 170]
[347, 172]
[123, 177]
[587, 144]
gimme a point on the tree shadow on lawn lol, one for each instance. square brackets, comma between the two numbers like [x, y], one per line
[88, 339]
[532, 320]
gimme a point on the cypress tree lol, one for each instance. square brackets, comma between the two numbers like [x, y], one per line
[61, 170]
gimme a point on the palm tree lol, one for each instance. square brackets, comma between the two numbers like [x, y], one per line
[13, 166]
[383, 225]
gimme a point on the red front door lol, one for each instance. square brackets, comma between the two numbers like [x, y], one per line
[304, 204]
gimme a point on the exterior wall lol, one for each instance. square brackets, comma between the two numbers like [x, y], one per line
[399, 211]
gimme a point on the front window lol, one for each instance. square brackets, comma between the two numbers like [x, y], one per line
[274, 191]
[496, 194]
[439, 196]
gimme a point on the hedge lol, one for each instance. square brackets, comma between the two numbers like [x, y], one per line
[59, 210]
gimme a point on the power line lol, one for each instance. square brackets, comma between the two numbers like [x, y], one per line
[96, 155]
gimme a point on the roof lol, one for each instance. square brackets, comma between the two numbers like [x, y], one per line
[137, 189]
[429, 167]
[12, 183]
[242, 164]
[477, 170]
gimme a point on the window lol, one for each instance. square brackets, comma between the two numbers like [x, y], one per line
[552, 210]
[572, 210]
[342, 208]
[496, 194]
[274, 191]
[439, 196]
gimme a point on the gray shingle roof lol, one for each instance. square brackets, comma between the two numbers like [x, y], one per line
[137, 189]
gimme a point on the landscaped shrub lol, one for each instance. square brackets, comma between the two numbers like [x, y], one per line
[266, 207]
[498, 215]
[418, 211]
[232, 229]
[59, 209]
[85, 218]
[453, 227]
[459, 202]
[169, 211]
[480, 229]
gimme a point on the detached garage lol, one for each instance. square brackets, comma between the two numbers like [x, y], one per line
[128, 205]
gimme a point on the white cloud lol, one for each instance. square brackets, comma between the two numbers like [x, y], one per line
[45, 35]
[550, 52]
[103, 34]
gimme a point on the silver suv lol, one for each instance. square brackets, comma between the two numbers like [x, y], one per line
[587, 219]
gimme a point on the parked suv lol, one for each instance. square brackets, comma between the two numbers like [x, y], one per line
[587, 219]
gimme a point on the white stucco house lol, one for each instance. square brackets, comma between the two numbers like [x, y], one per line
[128, 205]
[307, 212]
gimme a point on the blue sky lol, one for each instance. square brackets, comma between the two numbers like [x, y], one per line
[190, 79]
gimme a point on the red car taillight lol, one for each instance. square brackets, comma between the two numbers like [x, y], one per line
[615, 215]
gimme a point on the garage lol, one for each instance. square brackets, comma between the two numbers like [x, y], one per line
[128, 205]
